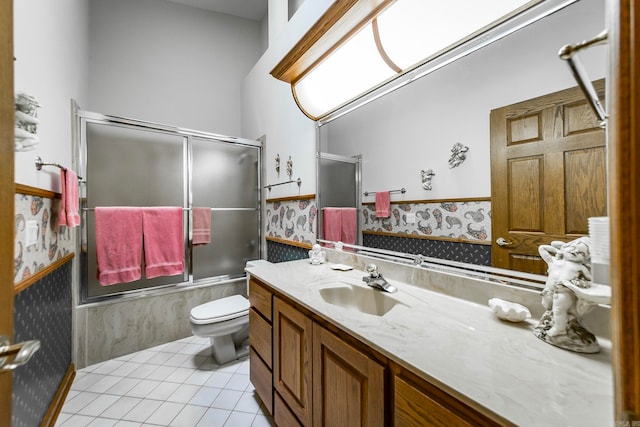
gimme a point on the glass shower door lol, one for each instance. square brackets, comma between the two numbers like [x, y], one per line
[224, 178]
[128, 166]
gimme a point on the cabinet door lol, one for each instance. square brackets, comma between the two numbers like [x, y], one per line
[348, 386]
[292, 342]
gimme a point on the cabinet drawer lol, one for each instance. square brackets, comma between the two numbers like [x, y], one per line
[282, 415]
[260, 336]
[262, 379]
[422, 404]
[260, 298]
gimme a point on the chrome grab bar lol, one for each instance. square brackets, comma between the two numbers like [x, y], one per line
[568, 53]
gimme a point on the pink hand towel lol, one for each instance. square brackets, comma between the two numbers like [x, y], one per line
[118, 244]
[349, 226]
[383, 204]
[69, 215]
[163, 241]
[201, 226]
[62, 216]
[332, 224]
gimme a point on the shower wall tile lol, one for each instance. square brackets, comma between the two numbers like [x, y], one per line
[53, 242]
[112, 329]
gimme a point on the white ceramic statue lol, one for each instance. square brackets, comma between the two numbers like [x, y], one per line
[317, 255]
[567, 296]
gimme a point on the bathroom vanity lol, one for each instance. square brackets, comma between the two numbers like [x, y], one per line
[326, 349]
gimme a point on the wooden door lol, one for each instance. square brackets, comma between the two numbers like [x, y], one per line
[292, 343]
[6, 195]
[548, 175]
[348, 386]
[624, 187]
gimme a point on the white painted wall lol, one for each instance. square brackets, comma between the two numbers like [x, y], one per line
[415, 127]
[51, 50]
[168, 63]
[269, 109]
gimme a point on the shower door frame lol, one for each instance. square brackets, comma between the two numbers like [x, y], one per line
[82, 118]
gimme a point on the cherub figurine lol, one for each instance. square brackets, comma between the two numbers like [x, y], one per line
[426, 178]
[458, 155]
[317, 255]
[569, 267]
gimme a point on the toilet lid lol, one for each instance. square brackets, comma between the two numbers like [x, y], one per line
[220, 310]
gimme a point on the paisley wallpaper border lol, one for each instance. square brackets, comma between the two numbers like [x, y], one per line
[53, 242]
[292, 219]
[468, 220]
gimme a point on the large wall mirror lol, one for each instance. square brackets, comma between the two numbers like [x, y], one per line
[415, 128]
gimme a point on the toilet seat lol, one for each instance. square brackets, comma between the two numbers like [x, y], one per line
[220, 310]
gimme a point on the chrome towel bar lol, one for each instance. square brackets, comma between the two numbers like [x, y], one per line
[568, 53]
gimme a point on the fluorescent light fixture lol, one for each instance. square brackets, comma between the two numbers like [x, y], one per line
[392, 44]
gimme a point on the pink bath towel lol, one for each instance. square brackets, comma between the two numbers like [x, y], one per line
[332, 224]
[383, 204]
[201, 226]
[118, 244]
[163, 241]
[349, 226]
[69, 215]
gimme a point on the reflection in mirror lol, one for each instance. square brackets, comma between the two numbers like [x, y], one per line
[415, 127]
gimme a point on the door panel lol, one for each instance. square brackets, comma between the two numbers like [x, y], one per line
[7, 201]
[548, 175]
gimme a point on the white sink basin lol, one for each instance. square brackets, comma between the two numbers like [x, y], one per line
[358, 298]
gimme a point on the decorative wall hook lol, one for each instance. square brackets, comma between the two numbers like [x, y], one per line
[278, 164]
[289, 167]
[458, 155]
[426, 178]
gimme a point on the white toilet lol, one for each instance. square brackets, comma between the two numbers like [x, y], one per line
[226, 322]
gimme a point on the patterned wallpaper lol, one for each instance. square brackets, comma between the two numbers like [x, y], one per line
[52, 242]
[42, 312]
[294, 220]
[471, 253]
[280, 252]
[469, 220]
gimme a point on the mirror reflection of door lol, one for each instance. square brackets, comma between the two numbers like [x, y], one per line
[548, 175]
[338, 186]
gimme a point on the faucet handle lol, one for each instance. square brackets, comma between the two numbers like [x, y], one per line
[372, 269]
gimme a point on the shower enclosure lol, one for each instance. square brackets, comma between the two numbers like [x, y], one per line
[126, 162]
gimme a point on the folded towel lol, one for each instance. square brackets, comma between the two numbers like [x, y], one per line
[69, 215]
[163, 241]
[62, 215]
[201, 226]
[383, 204]
[118, 244]
[349, 226]
[332, 224]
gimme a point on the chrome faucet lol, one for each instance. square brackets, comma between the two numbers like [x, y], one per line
[375, 280]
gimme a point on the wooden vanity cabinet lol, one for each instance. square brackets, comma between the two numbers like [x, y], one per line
[417, 403]
[348, 386]
[292, 345]
[260, 339]
[309, 373]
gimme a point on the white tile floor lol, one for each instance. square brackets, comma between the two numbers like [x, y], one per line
[174, 384]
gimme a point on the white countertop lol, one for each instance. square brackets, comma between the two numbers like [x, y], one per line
[463, 348]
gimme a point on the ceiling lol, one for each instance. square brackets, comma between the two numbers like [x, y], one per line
[248, 9]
